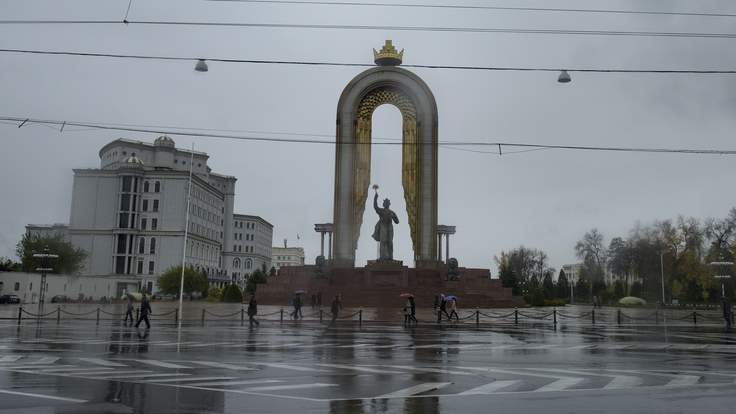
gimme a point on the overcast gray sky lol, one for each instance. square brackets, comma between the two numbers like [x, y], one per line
[544, 199]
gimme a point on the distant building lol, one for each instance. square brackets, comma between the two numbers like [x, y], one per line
[572, 271]
[287, 256]
[252, 239]
[48, 230]
[130, 214]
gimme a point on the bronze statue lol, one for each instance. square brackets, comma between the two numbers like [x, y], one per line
[384, 230]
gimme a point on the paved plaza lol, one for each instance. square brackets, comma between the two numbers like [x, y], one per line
[312, 367]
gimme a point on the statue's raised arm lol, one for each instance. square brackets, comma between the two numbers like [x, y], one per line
[375, 203]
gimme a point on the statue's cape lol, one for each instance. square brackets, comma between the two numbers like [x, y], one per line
[377, 232]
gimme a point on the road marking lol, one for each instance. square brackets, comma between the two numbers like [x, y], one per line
[161, 364]
[560, 384]
[70, 370]
[46, 360]
[107, 374]
[209, 344]
[102, 362]
[289, 387]
[417, 389]
[359, 368]
[140, 375]
[228, 383]
[490, 388]
[291, 367]
[10, 358]
[48, 397]
[435, 370]
[190, 379]
[680, 380]
[223, 365]
[618, 381]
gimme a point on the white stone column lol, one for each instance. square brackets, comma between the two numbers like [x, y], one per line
[329, 245]
[447, 247]
[322, 244]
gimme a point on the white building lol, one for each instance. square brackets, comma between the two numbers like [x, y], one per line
[287, 256]
[572, 271]
[252, 239]
[129, 214]
[27, 286]
[48, 230]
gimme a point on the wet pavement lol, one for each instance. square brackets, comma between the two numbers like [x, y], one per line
[308, 367]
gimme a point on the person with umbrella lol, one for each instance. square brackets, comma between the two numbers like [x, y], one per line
[453, 307]
[253, 311]
[412, 310]
[335, 307]
[443, 309]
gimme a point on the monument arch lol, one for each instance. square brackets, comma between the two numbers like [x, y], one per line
[386, 84]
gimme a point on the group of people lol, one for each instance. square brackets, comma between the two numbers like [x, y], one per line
[145, 310]
[444, 304]
[296, 303]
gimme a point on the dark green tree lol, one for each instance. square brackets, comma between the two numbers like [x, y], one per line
[563, 287]
[635, 289]
[194, 281]
[507, 275]
[8, 265]
[254, 280]
[70, 261]
[232, 293]
[548, 287]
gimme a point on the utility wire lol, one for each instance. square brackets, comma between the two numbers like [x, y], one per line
[102, 126]
[474, 7]
[346, 64]
[508, 30]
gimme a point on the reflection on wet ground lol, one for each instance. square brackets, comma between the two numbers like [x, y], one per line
[80, 366]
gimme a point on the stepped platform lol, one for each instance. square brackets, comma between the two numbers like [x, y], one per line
[379, 285]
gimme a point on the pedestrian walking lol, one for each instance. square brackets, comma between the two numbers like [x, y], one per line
[297, 303]
[253, 311]
[335, 307]
[453, 310]
[412, 310]
[443, 309]
[145, 310]
[727, 311]
[129, 311]
[407, 312]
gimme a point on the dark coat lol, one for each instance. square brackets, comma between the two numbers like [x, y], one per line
[145, 307]
[252, 307]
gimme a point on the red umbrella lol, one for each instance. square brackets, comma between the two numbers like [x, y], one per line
[406, 295]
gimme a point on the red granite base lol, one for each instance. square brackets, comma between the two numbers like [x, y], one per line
[379, 285]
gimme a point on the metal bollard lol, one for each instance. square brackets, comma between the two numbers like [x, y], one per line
[320, 315]
[516, 316]
[202, 316]
[618, 316]
[98, 316]
[58, 314]
[176, 316]
[282, 315]
[695, 317]
[592, 313]
[477, 317]
[554, 316]
[242, 315]
[20, 314]
[360, 316]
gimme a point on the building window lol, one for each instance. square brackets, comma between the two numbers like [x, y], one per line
[142, 247]
[157, 187]
[150, 267]
[155, 205]
[152, 249]
[144, 223]
[146, 187]
[236, 263]
[120, 265]
[154, 224]
[17, 286]
[127, 183]
[145, 205]
[140, 267]
[248, 263]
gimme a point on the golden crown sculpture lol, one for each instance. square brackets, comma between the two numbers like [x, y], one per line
[388, 56]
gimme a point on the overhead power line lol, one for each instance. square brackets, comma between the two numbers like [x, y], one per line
[476, 7]
[348, 64]
[201, 133]
[507, 30]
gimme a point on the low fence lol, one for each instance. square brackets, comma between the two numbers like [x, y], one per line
[477, 317]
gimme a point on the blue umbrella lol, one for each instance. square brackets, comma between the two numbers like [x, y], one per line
[451, 297]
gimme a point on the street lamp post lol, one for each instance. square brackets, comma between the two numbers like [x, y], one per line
[661, 268]
[45, 257]
[722, 277]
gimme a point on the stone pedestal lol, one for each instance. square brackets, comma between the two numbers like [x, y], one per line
[379, 284]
